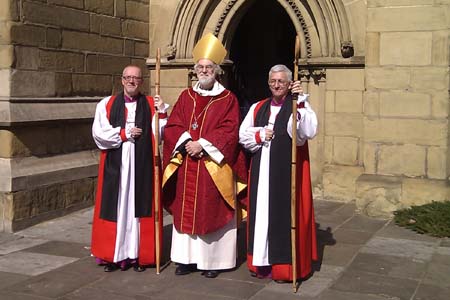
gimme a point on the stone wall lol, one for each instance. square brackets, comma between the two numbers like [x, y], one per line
[57, 59]
[406, 105]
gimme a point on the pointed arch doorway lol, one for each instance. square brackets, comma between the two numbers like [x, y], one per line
[264, 36]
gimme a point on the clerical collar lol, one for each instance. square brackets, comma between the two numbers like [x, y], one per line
[130, 99]
[274, 103]
[217, 89]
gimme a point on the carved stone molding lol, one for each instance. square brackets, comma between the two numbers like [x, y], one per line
[304, 26]
[316, 74]
[223, 16]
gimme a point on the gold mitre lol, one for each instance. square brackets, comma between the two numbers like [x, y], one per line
[209, 47]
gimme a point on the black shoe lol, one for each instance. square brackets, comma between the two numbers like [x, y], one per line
[110, 267]
[253, 274]
[138, 268]
[183, 269]
[282, 281]
[211, 273]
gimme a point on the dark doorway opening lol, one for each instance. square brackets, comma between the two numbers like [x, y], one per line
[264, 37]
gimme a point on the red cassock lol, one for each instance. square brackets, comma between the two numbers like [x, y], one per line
[103, 230]
[279, 231]
[191, 192]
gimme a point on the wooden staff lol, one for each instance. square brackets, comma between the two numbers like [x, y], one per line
[157, 165]
[294, 172]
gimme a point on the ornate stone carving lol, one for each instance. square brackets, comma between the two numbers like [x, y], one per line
[304, 26]
[223, 16]
[347, 49]
[171, 52]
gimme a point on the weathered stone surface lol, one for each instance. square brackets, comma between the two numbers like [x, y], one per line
[404, 104]
[6, 56]
[371, 103]
[6, 137]
[388, 78]
[27, 58]
[91, 42]
[372, 48]
[378, 196]
[430, 78]
[421, 191]
[39, 83]
[141, 49]
[100, 6]
[63, 84]
[112, 64]
[61, 61]
[106, 25]
[138, 11]
[439, 105]
[405, 131]
[354, 79]
[68, 3]
[349, 101]
[339, 182]
[440, 51]
[343, 124]
[92, 85]
[119, 8]
[345, 150]
[437, 162]
[28, 35]
[53, 38]
[406, 48]
[56, 15]
[409, 18]
[135, 29]
[409, 160]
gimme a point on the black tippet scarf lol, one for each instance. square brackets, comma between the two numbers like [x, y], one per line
[143, 185]
[279, 185]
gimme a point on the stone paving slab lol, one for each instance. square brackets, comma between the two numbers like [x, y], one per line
[32, 264]
[59, 248]
[365, 283]
[432, 292]
[20, 243]
[363, 223]
[360, 258]
[418, 250]
[394, 266]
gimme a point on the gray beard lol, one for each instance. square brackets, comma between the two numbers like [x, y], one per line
[207, 82]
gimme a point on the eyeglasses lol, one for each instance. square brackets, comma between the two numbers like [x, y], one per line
[200, 68]
[273, 82]
[129, 78]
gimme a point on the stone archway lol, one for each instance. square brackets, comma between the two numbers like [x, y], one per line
[264, 36]
[322, 25]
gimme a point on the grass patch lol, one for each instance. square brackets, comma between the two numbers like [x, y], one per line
[432, 218]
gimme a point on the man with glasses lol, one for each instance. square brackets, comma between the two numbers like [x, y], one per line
[201, 166]
[123, 230]
[266, 133]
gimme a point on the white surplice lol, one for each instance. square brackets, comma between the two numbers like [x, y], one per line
[108, 137]
[306, 129]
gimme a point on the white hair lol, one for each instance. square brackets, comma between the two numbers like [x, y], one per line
[281, 68]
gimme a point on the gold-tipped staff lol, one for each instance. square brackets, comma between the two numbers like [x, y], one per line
[294, 172]
[157, 165]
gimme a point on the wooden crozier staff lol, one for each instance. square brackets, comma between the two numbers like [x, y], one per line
[294, 172]
[157, 165]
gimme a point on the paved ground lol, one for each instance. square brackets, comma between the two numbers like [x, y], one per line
[360, 258]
